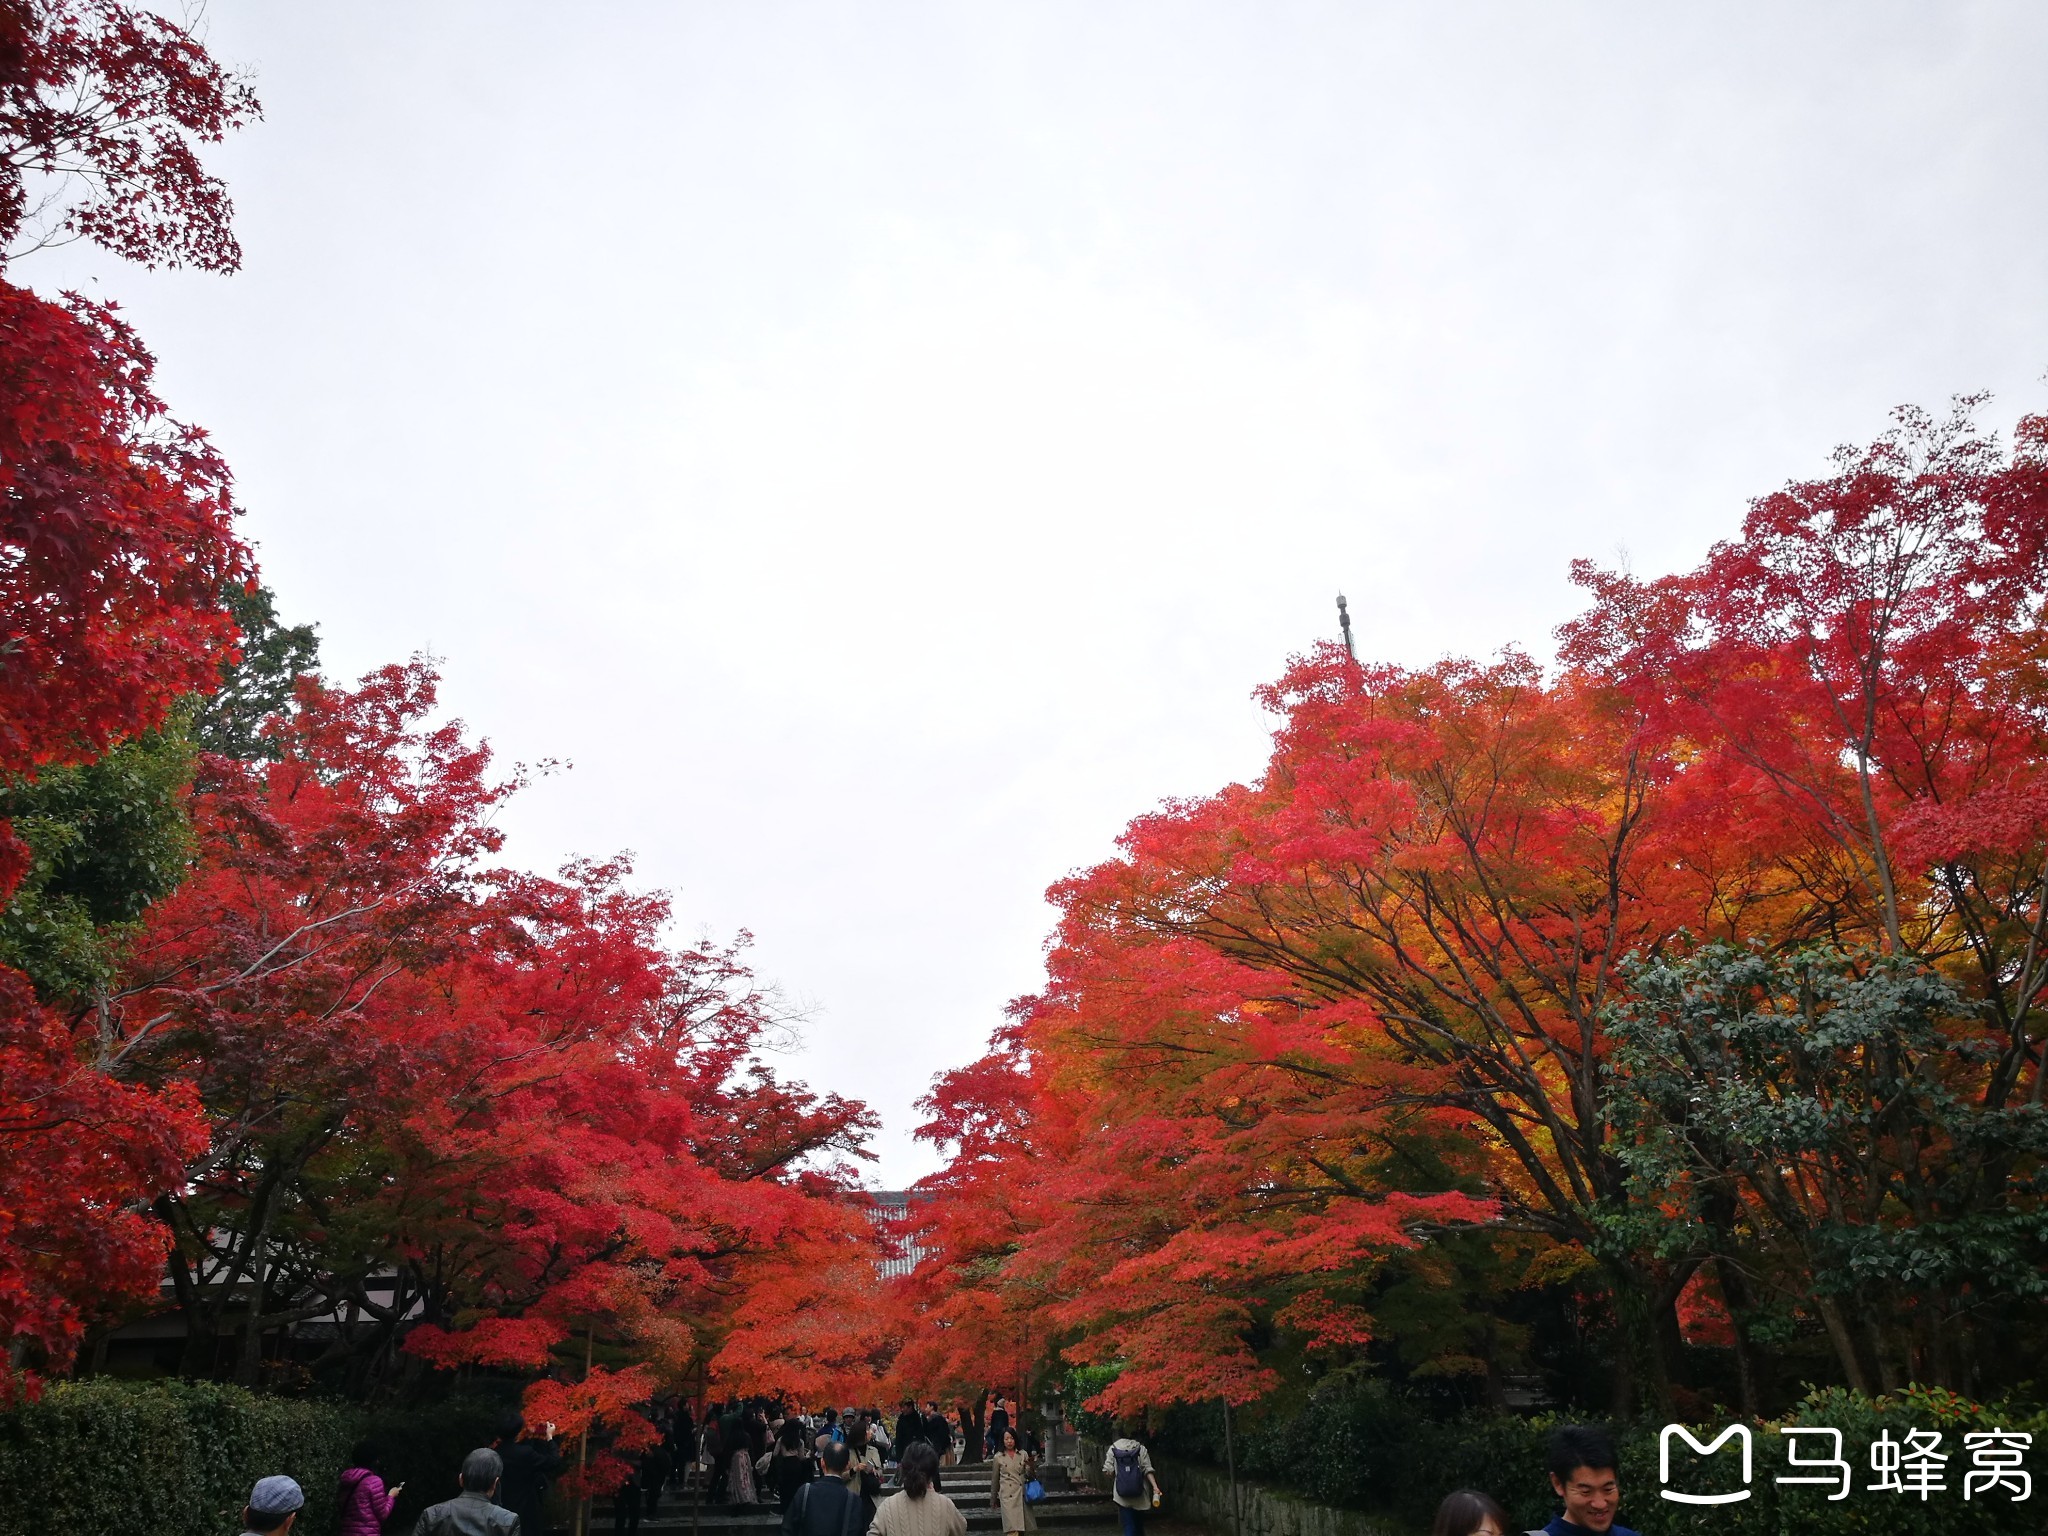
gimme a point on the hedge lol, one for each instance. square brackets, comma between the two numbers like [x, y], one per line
[1368, 1447]
[174, 1458]
[178, 1458]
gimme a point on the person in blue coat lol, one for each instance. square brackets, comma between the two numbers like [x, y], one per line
[1582, 1471]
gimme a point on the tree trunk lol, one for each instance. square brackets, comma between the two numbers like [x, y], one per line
[1669, 1336]
[1622, 1399]
[201, 1344]
[1645, 1381]
[1941, 1354]
[1845, 1344]
[1735, 1294]
[1889, 1378]
[248, 1367]
[583, 1443]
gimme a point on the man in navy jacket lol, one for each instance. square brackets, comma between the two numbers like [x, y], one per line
[1582, 1470]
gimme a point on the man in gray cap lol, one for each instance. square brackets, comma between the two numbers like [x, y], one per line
[273, 1508]
[471, 1512]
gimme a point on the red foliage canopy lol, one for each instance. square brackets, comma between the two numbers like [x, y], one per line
[1857, 685]
[75, 1149]
[102, 105]
[116, 541]
[1299, 1024]
[503, 1093]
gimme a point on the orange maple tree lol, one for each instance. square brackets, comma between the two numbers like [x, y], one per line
[1304, 1025]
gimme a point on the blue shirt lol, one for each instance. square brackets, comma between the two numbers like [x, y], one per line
[1559, 1526]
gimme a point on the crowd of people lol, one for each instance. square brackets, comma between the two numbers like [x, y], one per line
[831, 1474]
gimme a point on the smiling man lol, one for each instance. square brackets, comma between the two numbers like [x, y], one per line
[1582, 1470]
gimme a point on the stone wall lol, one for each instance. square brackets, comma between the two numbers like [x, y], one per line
[1203, 1494]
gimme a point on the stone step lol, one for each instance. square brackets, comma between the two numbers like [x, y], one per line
[963, 1496]
[980, 1517]
[972, 1477]
[1070, 1506]
[958, 1494]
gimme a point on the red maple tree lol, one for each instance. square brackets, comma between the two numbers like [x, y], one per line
[116, 543]
[102, 107]
[494, 1117]
[1290, 1014]
[359, 1072]
[75, 1149]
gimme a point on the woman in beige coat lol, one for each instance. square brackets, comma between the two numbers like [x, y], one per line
[920, 1509]
[1009, 1470]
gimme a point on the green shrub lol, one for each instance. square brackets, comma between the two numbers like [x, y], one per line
[173, 1458]
[1083, 1382]
[179, 1458]
[1365, 1446]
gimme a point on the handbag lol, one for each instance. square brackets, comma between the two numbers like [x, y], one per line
[1034, 1491]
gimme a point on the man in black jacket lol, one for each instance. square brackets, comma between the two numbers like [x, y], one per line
[939, 1431]
[531, 1464]
[909, 1427]
[828, 1505]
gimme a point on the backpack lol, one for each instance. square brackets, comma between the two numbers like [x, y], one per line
[1130, 1475]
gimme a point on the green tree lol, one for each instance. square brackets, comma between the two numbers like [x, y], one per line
[259, 683]
[1814, 1122]
[106, 839]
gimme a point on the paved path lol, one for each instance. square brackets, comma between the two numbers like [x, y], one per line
[1066, 1504]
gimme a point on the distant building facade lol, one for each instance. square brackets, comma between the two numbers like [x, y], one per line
[890, 1208]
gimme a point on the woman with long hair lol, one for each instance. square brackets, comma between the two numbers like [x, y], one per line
[1009, 1470]
[865, 1473]
[739, 1465]
[920, 1509]
[790, 1464]
[1469, 1512]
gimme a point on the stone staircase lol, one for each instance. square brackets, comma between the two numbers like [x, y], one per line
[1067, 1503]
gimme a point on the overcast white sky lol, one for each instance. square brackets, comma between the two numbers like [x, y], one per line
[884, 444]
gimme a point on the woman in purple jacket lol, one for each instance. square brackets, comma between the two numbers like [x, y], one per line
[365, 1502]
